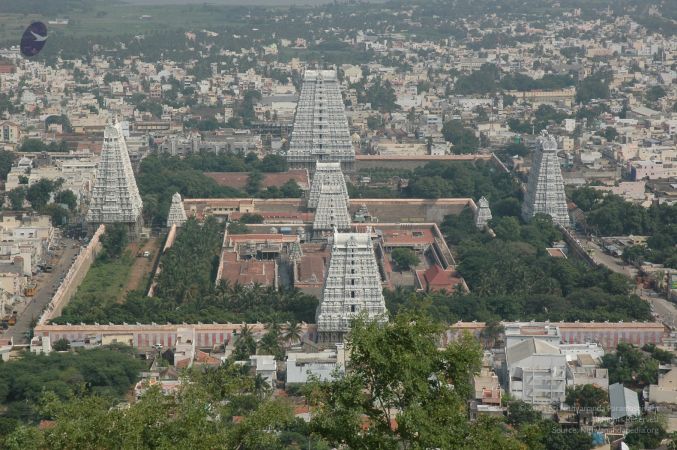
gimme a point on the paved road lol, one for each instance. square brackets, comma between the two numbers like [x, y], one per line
[667, 311]
[664, 309]
[613, 264]
[46, 286]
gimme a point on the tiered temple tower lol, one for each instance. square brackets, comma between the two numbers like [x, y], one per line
[352, 287]
[115, 196]
[545, 189]
[326, 174]
[321, 130]
[332, 210]
[483, 213]
[177, 215]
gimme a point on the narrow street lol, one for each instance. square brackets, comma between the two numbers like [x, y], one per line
[32, 307]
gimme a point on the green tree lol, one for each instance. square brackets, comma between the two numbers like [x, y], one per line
[610, 134]
[6, 161]
[114, 240]
[588, 397]
[655, 93]
[404, 258]
[291, 189]
[254, 182]
[398, 375]
[273, 163]
[16, 197]
[40, 193]
[245, 345]
[463, 138]
[251, 218]
[61, 345]
[68, 198]
[33, 145]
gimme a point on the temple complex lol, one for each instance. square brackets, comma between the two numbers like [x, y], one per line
[352, 287]
[321, 130]
[545, 189]
[115, 196]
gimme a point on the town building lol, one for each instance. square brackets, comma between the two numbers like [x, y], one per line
[623, 402]
[115, 196]
[536, 372]
[320, 365]
[321, 130]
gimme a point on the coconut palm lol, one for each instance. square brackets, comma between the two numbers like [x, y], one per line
[293, 332]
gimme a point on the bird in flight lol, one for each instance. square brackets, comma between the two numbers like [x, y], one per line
[38, 37]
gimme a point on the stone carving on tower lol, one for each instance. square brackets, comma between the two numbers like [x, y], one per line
[326, 174]
[352, 287]
[177, 214]
[483, 213]
[332, 210]
[321, 130]
[545, 188]
[115, 196]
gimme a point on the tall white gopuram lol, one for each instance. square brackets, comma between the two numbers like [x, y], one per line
[352, 287]
[545, 189]
[483, 213]
[321, 130]
[326, 174]
[115, 196]
[332, 210]
[177, 214]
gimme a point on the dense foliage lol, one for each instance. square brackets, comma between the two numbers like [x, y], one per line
[186, 290]
[161, 176]
[512, 277]
[23, 381]
[611, 215]
[402, 391]
[630, 365]
[215, 408]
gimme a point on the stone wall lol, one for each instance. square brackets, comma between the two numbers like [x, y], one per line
[73, 278]
[410, 162]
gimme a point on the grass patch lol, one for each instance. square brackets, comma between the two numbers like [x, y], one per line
[102, 287]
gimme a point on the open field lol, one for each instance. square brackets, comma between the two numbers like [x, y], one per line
[118, 19]
[105, 281]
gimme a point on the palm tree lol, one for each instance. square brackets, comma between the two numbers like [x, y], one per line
[293, 332]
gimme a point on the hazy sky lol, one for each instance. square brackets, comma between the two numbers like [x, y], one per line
[234, 2]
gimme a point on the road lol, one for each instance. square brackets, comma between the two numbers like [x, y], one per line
[613, 264]
[46, 285]
[664, 309]
[667, 311]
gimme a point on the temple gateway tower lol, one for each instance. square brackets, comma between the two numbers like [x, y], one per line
[321, 130]
[545, 189]
[177, 214]
[352, 287]
[115, 196]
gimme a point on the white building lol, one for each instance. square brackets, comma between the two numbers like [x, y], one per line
[322, 365]
[536, 372]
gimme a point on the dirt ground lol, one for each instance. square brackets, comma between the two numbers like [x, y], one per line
[142, 266]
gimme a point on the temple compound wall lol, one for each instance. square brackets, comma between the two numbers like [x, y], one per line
[74, 277]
